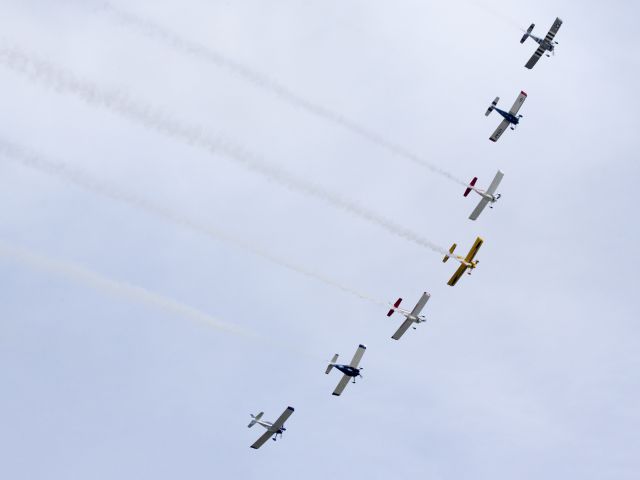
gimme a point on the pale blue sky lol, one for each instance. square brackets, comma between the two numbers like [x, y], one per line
[527, 369]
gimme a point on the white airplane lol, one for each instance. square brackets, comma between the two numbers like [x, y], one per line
[412, 316]
[349, 371]
[488, 196]
[273, 429]
[547, 44]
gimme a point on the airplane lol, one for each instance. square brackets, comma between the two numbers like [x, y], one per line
[273, 429]
[465, 262]
[488, 195]
[412, 316]
[510, 118]
[547, 44]
[349, 371]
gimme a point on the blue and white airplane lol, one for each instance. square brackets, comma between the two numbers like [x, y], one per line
[511, 118]
[350, 371]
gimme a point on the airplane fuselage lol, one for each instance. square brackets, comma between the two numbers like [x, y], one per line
[543, 43]
[509, 117]
[348, 370]
[269, 426]
[414, 318]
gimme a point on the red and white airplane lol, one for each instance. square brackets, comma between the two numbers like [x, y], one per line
[489, 196]
[412, 316]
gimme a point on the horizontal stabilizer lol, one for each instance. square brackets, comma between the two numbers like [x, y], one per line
[333, 361]
[255, 419]
[526, 35]
[446, 257]
[472, 184]
[492, 106]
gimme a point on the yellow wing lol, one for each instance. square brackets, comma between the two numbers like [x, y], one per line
[456, 276]
[474, 250]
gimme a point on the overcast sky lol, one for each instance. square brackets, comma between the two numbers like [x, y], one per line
[146, 308]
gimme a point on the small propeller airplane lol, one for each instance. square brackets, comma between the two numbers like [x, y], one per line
[488, 196]
[465, 262]
[510, 118]
[349, 371]
[412, 316]
[273, 429]
[547, 44]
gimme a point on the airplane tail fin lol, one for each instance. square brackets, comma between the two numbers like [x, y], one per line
[492, 106]
[395, 305]
[330, 366]
[255, 419]
[472, 183]
[446, 257]
[526, 35]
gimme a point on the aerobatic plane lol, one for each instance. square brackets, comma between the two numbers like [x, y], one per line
[489, 196]
[510, 118]
[349, 371]
[412, 316]
[546, 44]
[466, 263]
[273, 429]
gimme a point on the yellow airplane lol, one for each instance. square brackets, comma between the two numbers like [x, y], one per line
[465, 262]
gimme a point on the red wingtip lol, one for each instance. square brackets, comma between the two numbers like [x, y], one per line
[523, 93]
[397, 304]
[390, 312]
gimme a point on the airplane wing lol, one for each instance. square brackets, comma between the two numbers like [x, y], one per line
[553, 30]
[358, 356]
[499, 131]
[518, 103]
[474, 249]
[534, 58]
[457, 275]
[341, 384]
[495, 183]
[282, 418]
[403, 328]
[421, 303]
[259, 442]
[479, 208]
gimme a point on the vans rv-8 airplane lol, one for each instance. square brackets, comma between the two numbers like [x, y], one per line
[273, 429]
[489, 196]
[350, 371]
[547, 44]
[510, 119]
[466, 263]
[412, 316]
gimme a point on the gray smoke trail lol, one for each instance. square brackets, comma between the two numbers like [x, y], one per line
[36, 161]
[140, 294]
[121, 289]
[264, 82]
[152, 118]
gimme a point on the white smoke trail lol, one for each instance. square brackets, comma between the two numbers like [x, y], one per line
[266, 83]
[154, 119]
[120, 289]
[142, 295]
[63, 170]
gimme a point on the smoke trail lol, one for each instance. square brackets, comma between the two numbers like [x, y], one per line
[33, 160]
[121, 289]
[496, 13]
[264, 82]
[152, 118]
